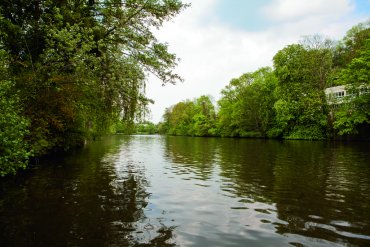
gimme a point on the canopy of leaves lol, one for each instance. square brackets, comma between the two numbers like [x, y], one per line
[80, 66]
[246, 106]
[356, 76]
[289, 101]
[194, 118]
[302, 74]
[14, 151]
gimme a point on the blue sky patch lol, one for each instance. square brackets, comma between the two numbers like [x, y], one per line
[248, 14]
[363, 7]
[243, 14]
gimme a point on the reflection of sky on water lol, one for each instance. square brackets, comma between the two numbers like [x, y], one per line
[161, 191]
[131, 180]
[209, 192]
[252, 190]
[211, 215]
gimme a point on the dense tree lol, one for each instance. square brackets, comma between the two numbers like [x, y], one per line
[180, 118]
[79, 66]
[72, 70]
[14, 150]
[352, 44]
[204, 118]
[301, 110]
[246, 106]
[13, 132]
[146, 127]
[290, 101]
[355, 74]
[230, 115]
[194, 118]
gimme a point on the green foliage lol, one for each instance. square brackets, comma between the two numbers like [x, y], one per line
[81, 66]
[246, 108]
[194, 118]
[356, 75]
[353, 43]
[162, 128]
[124, 127]
[14, 151]
[357, 72]
[290, 102]
[229, 115]
[348, 119]
[302, 74]
[203, 121]
[179, 118]
[284, 117]
[146, 127]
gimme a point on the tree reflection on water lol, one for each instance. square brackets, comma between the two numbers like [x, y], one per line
[96, 198]
[316, 190]
[163, 191]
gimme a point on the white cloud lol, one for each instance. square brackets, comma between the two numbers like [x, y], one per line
[213, 53]
[290, 10]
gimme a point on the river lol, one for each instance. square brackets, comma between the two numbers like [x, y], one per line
[183, 191]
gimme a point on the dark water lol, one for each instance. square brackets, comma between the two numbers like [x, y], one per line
[178, 191]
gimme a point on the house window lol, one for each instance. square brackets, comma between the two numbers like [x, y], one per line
[339, 94]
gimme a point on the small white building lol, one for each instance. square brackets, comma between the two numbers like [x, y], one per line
[335, 95]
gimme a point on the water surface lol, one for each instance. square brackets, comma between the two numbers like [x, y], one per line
[182, 191]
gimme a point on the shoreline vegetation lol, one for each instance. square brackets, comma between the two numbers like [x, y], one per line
[289, 101]
[71, 71]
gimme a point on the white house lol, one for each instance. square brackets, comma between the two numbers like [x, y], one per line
[335, 95]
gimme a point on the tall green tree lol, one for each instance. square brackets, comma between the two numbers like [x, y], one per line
[246, 106]
[180, 118]
[355, 74]
[193, 118]
[204, 118]
[230, 114]
[81, 65]
[14, 150]
[301, 111]
[352, 44]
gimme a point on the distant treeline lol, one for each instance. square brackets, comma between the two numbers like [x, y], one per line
[72, 70]
[139, 128]
[289, 100]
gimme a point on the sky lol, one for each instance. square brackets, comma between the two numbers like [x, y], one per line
[217, 40]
